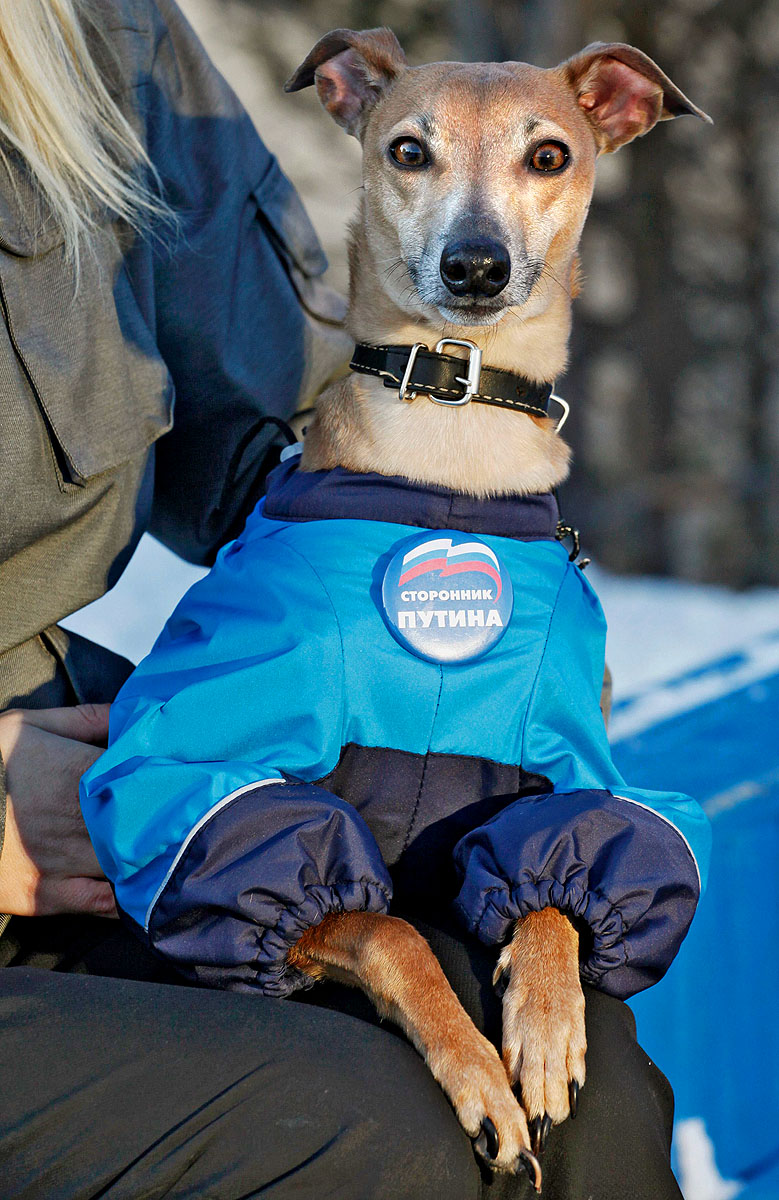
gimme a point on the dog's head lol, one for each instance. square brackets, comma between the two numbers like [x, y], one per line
[478, 176]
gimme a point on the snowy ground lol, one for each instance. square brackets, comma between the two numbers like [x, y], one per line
[671, 645]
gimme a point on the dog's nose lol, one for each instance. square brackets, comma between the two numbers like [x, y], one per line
[478, 268]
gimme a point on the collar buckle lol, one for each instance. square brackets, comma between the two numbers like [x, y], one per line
[565, 406]
[403, 391]
[471, 380]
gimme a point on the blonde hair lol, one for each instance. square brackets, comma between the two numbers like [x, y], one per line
[56, 112]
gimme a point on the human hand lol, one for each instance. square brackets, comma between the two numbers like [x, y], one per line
[47, 864]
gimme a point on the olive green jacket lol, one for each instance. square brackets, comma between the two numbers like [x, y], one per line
[136, 401]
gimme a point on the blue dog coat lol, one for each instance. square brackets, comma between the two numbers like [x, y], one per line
[303, 736]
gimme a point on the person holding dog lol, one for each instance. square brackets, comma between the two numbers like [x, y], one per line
[150, 246]
[112, 300]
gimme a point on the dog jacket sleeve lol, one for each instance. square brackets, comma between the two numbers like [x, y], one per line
[219, 860]
[623, 863]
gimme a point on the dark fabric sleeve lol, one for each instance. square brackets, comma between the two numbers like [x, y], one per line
[258, 873]
[624, 875]
[233, 291]
[3, 805]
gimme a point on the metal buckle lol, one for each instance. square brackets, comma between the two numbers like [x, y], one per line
[565, 406]
[412, 358]
[473, 378]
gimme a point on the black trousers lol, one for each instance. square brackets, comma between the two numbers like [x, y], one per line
[115, 1082]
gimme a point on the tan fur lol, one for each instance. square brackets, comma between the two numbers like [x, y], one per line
[543, 1012]
[481, 114]
[480, 121]
[396, 968]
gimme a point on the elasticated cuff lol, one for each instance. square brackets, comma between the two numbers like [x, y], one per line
[613, 866]
[267, 866]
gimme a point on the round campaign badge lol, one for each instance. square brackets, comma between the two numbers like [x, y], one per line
[447, 597]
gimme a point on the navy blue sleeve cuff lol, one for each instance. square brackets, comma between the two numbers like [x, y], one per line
[266, 867]
[616, 868]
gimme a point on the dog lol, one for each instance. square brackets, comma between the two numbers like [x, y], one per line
[477, 182]
[417, 657]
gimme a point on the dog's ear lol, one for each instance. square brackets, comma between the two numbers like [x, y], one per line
[623, 93]
[351, 70]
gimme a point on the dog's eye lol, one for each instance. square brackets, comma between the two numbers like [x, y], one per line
[408, 152]
[549, 156]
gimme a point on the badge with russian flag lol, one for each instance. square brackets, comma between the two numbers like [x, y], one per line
[447, 597]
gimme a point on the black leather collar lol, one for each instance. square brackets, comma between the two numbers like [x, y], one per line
[450, 380]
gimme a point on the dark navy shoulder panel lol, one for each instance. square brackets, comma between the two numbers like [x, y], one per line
[296, 495]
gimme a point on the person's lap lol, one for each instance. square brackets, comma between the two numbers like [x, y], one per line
[126, 1084]
[130, 1088]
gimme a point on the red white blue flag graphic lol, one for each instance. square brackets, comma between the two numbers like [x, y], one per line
[439, 554]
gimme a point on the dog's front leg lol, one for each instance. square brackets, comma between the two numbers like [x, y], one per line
[544, 1041]
[395, 967]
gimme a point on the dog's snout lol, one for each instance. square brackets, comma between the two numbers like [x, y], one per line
[475, 268]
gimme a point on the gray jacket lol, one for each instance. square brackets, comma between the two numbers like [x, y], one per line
[220, 323]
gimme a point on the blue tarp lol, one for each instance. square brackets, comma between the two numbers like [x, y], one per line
[712, 1024]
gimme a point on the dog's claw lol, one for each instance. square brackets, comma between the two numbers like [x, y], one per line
[532, 1167]
[573, 1097]
[488, 1142]
[500, 980]
[539, 1131]
[534, 1126]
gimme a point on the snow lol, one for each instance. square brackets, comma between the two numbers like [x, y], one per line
[673, 646]
[697, 1170]
[129, 617]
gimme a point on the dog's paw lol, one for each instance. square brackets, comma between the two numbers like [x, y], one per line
[471, 1073]
[544, 1042]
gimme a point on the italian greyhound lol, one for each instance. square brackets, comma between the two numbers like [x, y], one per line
[477, 179]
